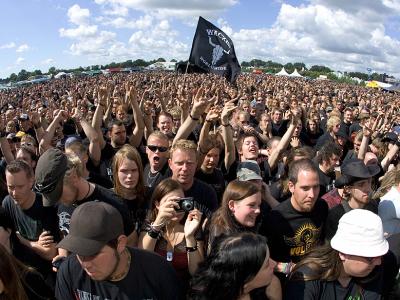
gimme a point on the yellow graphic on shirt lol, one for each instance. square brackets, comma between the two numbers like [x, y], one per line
[305, 237]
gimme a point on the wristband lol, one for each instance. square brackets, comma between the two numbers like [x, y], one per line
[225, 125]
[157, 227]
[191, 249]
[154, 234]
[194, 119]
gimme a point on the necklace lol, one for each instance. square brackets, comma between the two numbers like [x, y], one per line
[171, 243]
[151, 178]
[125, 272]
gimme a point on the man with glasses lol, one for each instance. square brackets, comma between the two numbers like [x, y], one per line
[157, 154]
[103, 267]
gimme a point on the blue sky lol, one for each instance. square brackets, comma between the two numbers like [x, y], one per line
[342, 34]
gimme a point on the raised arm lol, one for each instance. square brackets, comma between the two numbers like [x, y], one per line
[35, 119]
[227, 133]
[199, 106]
[137, 134]
[4, 145]
[283, 143]
[212, 115]
[91, 134]
[98, 116]
[367, 133]
[45, 142]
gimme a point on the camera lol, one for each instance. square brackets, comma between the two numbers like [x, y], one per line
[185, 204]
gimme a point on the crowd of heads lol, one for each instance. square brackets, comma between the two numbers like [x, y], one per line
[201, 172]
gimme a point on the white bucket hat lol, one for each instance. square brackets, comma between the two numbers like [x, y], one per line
[360, 233]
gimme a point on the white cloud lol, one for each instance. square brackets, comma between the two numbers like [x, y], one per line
[97, 45]
[48, 61]
[158, 41]
[142, 22]
[181, 9]
[8, 46]
[79, 32]
[19, 60]
[78, 15]
[22, 48]
[324, 32]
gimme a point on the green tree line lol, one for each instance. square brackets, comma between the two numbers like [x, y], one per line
[266, 66]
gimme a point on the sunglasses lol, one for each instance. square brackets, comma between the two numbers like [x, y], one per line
[155, 148]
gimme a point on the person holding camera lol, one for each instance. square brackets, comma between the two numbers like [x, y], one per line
[173, 229]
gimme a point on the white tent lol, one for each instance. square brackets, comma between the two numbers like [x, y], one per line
[59, 75]
[282, 72]
[295, 74]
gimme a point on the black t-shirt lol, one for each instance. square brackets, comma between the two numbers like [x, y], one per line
[30, 258]
[100, 180]
[205, 197]
[100, 194]
[107, 154]
[214, 179]
[291, 234]
[149, 277]
[312, 138]
[138, 209]
[31, 222]
[334, 215]
[326, 181]
[355, 127]
[279, 129]
[346, 127]
[151, 180]
[35, 287]
[374, 287]
[277, 191]
[323, 139]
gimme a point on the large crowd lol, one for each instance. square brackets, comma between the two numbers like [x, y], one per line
[155, 185]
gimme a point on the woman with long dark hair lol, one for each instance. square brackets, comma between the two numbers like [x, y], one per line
[19, 282]
[237, 265]
[239, 210]
[173, 229]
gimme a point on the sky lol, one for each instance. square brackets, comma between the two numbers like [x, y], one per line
[345, 35]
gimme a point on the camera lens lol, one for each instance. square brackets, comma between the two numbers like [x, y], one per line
[187, 205]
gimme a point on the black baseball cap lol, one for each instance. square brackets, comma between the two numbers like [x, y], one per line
[49, 175]
[93, 225]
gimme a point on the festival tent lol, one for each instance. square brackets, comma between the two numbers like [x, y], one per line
[378, 84]
[282, 72]
[59, 75]
[395, 87]
[295, 74]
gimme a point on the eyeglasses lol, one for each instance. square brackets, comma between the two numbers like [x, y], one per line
[155, 148]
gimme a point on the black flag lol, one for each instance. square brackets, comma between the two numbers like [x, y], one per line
[213, 51]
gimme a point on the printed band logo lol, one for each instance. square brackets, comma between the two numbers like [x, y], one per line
[303, 240]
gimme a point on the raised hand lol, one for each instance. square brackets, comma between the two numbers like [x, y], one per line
[192, 223]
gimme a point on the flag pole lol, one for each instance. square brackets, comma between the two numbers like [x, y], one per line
[187, 67]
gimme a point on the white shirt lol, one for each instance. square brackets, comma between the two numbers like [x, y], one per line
[389, 211]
